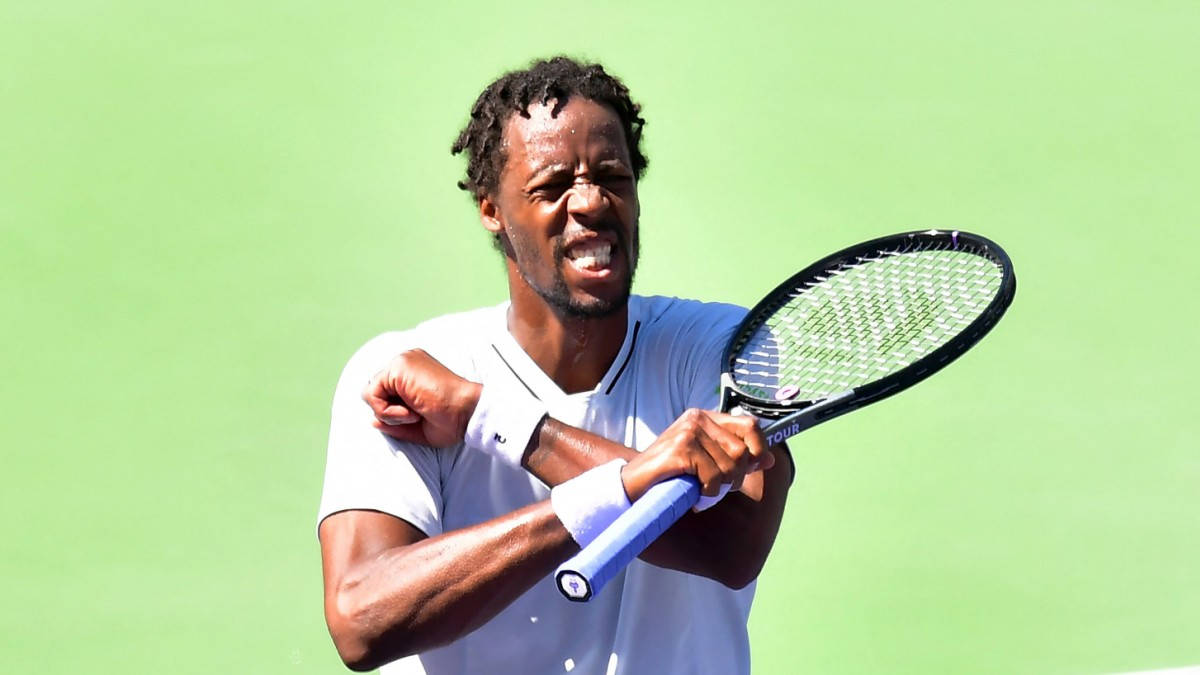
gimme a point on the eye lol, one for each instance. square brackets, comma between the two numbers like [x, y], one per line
[551, 189]
[616, 182]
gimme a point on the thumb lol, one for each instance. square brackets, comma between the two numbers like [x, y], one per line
[409, 433]
[395, 415]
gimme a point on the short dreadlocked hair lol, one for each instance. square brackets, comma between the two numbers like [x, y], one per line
[555, 79]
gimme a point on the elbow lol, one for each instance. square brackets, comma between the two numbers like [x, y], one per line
[365, 665]
[358, 664]
[360, 644]
[353, 648]
[357, 651]
[356, 658]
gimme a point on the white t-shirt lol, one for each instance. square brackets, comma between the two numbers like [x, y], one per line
[647, 620]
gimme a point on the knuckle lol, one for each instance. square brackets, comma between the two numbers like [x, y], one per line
[691, 422]
[679, 464]
[741, 423]
[408, 356]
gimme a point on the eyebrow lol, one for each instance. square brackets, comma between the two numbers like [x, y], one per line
[613, 162]
[563, 167]
[550, 169]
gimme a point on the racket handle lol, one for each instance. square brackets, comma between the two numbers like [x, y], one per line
[582, 577]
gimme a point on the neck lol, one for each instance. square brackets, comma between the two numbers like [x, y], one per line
[575, 352]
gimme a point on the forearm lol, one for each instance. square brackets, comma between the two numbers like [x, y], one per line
[558, 452]
[411, 598]
[728, 542]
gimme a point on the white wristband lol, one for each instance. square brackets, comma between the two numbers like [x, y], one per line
[503, 423]
[588, 503]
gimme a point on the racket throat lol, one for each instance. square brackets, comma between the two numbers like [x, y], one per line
[729, 396]
[783, 429]
[736, 402]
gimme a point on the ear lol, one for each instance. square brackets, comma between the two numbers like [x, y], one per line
[489, 216]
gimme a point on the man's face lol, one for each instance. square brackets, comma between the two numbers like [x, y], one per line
[566, 207]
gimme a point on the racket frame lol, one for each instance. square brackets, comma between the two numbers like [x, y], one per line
[732, 396]
[581, 577]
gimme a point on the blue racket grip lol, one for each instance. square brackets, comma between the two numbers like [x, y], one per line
[584, 575]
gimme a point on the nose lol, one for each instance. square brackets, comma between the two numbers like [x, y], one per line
[587, 201]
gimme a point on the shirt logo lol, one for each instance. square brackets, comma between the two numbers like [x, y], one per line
[499, 439]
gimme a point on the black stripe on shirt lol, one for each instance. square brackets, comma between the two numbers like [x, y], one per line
[514, 372]
[632, 343]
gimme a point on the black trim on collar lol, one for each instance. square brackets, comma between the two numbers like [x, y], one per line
[514, 372]
[632, 344]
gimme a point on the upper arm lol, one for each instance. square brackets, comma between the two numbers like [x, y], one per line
[379, 494]
[368, 471]
[350, 540]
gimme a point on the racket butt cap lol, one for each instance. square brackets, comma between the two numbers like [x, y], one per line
[573, 586]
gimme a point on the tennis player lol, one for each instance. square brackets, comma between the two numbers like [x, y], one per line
[492, 444]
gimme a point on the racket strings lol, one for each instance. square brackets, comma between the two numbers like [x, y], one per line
[864, 320]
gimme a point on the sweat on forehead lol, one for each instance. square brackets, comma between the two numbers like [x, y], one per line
[556, 80]
[554, 118]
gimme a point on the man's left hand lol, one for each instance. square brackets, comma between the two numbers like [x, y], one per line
[419, 400]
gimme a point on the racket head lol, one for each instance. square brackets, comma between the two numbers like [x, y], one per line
[874, 318]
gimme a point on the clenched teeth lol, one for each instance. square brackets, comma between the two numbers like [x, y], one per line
[590, 256]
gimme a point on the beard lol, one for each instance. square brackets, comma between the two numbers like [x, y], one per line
[558, 294]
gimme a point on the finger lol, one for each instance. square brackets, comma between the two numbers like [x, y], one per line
[390, 411]
[383, 400]
[730, 468]
[410, 433]
[767, 461]
[729, 431]
[397, 415]
[730, 452]
[709, 474]
[714, 488]
[747, 429]
[761, 457]
[697, 459]
[378, 394]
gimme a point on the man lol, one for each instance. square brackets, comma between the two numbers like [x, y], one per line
[499, 440]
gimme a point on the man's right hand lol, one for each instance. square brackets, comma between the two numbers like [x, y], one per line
[417, 399]
[716, 448]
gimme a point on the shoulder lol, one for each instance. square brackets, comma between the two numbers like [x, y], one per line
[461, 324]
[684, 336]
[452, 339]
[670, 314]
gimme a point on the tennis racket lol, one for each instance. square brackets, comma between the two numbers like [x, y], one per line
[851, 329]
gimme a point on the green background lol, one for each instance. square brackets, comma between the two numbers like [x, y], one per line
[204, 211]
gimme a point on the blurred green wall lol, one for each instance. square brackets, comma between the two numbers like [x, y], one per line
[205, 209]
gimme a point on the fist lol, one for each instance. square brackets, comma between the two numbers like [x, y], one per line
[419, 400]
[717, 448]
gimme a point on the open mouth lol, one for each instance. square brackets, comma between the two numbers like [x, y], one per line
[590, 256]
